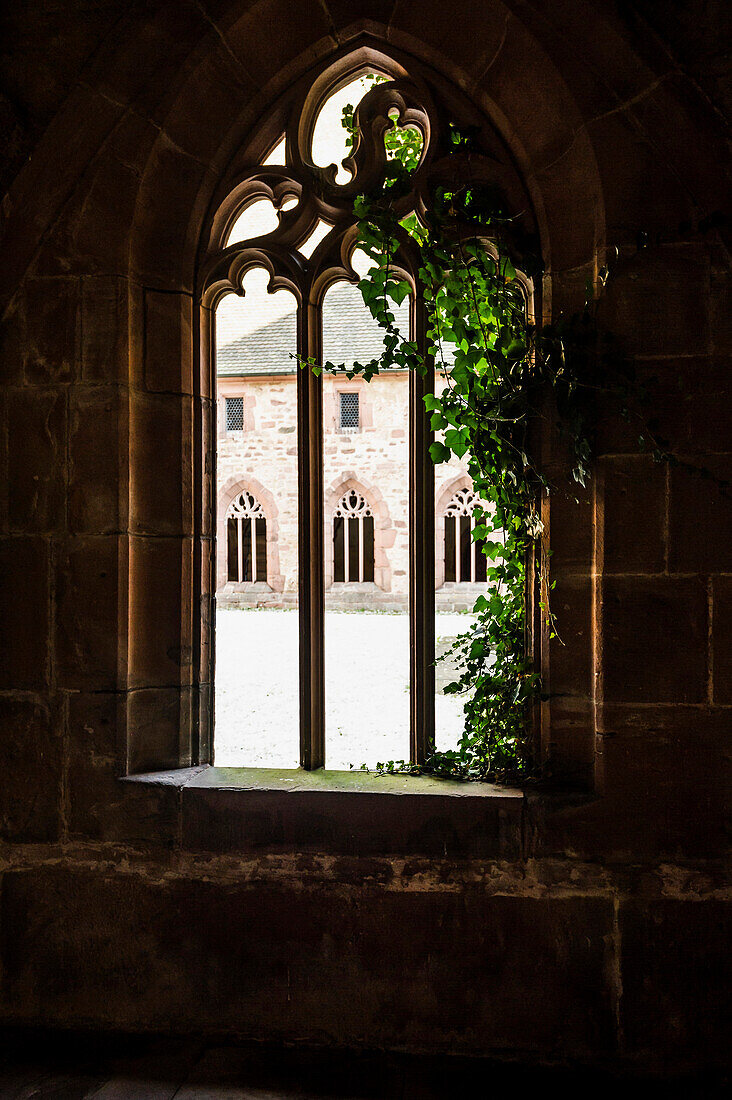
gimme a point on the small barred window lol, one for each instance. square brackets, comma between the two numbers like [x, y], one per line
[234, 414]
[349, 411]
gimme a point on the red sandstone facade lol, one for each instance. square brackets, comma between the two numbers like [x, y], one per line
[587, 920]
[262, 459]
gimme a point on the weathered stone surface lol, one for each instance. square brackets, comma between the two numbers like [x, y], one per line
[87, 642]
[104, 329]
[571, 650]
[52, 330]
[569, 748]
[477, 40]
[660, 302]
[667, 767]
[162, 593]
[100, 805]
[30, 787]
[630, 169]
[722, 640]
[634, 515]
[661, 782]
[256, 40]
[97, 430]
[36, 432]
[24, 600]
[43, 187]
[701, 502]
[170, 208]
[268, 960]
[687, 403]
[572, 518]
[159, 728]
[676, 979]
[168, 366]
[12, 343]
[89, 238]
[654, 639]
[120, 122]
[161, 462]
[216, 95]
[722, 312]
[226, 820]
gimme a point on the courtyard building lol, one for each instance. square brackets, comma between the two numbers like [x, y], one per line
[345, 931]
[366, 471]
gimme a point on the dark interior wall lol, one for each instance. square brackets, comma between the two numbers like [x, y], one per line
[599, 932]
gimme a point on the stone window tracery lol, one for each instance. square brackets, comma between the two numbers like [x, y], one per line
[312, 247]
[246, 540]
[353, 539]
[464, 561]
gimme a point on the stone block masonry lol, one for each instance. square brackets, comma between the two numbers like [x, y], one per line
[594, 928]
[262, 458]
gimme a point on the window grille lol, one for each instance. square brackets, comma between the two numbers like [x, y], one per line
[246, 539]
[464, 559]
[234, 414]
[349, 412]
[353, 539]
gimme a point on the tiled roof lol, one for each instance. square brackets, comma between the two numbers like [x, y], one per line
[264, 351]
[349, 334]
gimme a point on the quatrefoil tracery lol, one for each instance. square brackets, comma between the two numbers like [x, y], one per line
[245, 506]
[353, 505]
[402, 100]
[318, 198]
[462, 504]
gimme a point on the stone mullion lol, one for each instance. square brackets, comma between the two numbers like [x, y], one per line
[311, 595]
[421, 554]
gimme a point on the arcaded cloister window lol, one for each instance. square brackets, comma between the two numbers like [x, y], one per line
[465, 561]
[246, 540]
[353, 539]
[284, 212]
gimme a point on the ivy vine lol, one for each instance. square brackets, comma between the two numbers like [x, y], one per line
[497, 370]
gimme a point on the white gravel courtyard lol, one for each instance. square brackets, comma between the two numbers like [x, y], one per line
[367, 688]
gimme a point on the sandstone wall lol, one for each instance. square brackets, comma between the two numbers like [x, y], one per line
[375, 458]
[595, 926]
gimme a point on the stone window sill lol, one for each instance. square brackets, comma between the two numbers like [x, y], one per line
[350, 813]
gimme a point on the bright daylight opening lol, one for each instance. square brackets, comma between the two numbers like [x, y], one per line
[366, 520]
[330, 139]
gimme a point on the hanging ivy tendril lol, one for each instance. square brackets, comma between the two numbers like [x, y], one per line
[496, 368]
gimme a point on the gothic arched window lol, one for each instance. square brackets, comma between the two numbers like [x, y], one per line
[464, 560]
[246, 540]
[308, 245]
[353, 539]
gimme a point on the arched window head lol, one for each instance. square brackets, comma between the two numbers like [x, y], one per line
[353, 539]
[246, 540]
[353, 506]
[462, 503]
[465, 561]
[305, 243]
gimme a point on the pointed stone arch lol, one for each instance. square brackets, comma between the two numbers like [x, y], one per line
[228, 493]
[384, 532]
[443, 497]
[129, 214]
